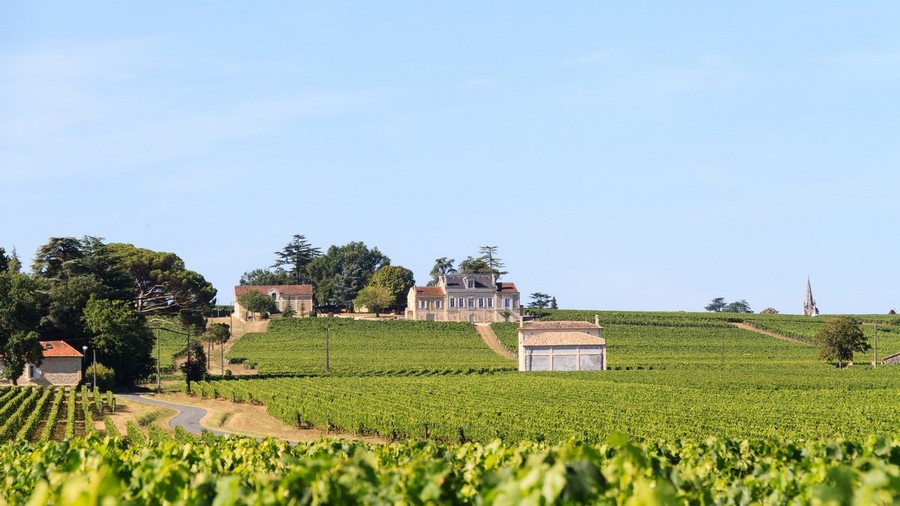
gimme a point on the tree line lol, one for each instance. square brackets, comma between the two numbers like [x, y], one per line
[90, 293]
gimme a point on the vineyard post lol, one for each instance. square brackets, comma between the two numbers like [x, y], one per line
[874, 345]
[327, 331]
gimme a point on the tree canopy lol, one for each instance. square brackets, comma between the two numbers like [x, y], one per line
[257, 302]
[839, 338]
[540, 300]
[266, 277]
[373, 297]
[397, 281]
[442, 267]
[343, 271]
[120, 338]
[19, 321]
[296, 255]
[162, 283]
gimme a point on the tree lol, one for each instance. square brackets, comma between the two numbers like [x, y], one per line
[740, 306]
[288, 312]
[4, 260]
[839, 338]
[442, 267]
[540, 300]
[162, 283]
[194, 366]
[297, 255]
[19, 321]
[474, 266]
[397, 281]
[374, 298]
[339, 274]
[769, 310]
[219, 333]
[255, 301]
[717, 305]
[120, 338]
[494, 264]
[258, 277]
[553, 303]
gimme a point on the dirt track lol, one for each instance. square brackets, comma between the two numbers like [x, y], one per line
[751, 328]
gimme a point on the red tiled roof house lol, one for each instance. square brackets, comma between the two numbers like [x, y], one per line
[61, 365]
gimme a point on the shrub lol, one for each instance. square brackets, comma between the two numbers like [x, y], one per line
[106, 376]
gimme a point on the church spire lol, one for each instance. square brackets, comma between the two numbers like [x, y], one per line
[809, 304]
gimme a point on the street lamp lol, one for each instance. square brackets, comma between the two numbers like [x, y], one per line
[84, 355]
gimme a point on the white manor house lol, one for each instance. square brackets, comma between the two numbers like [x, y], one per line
[461, 297]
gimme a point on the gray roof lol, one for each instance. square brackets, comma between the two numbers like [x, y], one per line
[457, 281]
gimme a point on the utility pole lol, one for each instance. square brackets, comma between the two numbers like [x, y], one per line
[875, 346]
[187, 365]
[327, 332]
[158, 379]
[95, 367]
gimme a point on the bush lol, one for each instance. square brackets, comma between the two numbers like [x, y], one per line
[106, 376]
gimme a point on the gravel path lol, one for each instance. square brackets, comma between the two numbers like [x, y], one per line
[751, 328]
[187, 417]
[487, 334]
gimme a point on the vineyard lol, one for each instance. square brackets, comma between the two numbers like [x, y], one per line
[297, 346]
[211, 470]
[730, 402]
[50, 413]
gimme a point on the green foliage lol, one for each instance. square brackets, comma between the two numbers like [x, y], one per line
[121, 340]
[614, 471]
[473, 265]
[442, 267]
[162, 283]
[297, 255]
[372, 297]
[839, 338]
[717, 305]
[540, 300]
[19, 322]
[396, 281]
[194, 366]
[265, 277]
[343, 271]
[297, 346]
[106, 376]
[255, 301]
[288, 312]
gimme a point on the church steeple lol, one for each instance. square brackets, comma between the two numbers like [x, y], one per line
[809, 304]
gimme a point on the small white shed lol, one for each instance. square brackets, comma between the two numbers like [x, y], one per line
[562, 346]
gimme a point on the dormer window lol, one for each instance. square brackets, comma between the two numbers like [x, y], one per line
[470, 283]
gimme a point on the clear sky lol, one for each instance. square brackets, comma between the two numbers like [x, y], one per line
[622, 155]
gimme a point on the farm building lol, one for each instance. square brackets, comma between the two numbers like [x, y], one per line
[61, 366]
[891, 359]
[562, 346]
[299, 297]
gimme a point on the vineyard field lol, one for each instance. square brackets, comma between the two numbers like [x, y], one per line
[211, 470]
[297, 346]
[730, 401]
[50, 413]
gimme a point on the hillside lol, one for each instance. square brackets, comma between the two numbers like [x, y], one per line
[297, 346]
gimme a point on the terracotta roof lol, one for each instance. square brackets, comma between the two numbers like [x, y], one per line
[282, 289]
[429, 291]
[559, 325]
[507, 287]
[58, 349]
[563, 339]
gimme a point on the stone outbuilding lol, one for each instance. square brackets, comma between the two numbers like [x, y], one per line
[891, 359]
[562, 346]
[61, 365]
[299, 297]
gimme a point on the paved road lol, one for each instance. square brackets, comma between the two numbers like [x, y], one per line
[187, 417]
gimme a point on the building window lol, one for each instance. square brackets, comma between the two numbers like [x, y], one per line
[480, 302]
[471, 283]
[471, 302]
[490, 302]
[423, 304]
[507, 303]
[438, 304]
[452, 302]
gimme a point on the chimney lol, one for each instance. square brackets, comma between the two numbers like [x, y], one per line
[597, 320]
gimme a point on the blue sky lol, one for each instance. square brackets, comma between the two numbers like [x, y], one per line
[621, 155]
